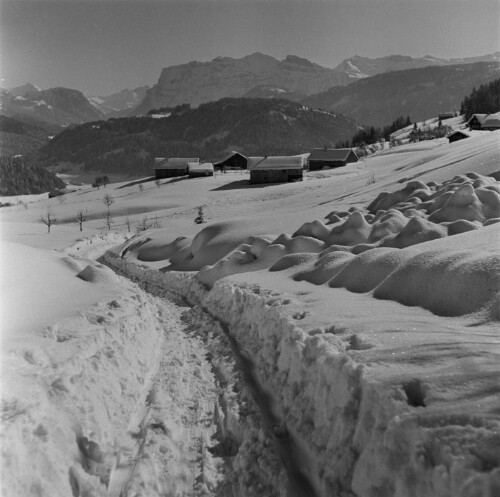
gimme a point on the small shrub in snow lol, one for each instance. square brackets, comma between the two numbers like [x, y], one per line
[143, 225]
[200, 219]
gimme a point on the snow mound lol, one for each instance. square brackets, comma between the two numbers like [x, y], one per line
[161, 248]
[448, 283]
[363, 251]
[366, 271]
[97, 273]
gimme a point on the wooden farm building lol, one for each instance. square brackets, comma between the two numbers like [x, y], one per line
[491, 122]
[330, 157]
[234, 160]
[279, 169]
[446, 115]
[476, 121]
[169, 168]
[196, 169]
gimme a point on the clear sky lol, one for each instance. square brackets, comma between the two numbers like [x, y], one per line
[100, 47]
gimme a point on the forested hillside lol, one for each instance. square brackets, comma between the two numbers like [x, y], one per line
[19, 138]
[20, 176]
[252, 126]
[484, 100]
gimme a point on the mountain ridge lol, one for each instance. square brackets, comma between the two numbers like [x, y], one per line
[421, 93]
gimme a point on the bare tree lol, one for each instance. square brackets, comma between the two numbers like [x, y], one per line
[48, 220]
[127, 223]
[80, 218]
[108, 200]
[143, 225]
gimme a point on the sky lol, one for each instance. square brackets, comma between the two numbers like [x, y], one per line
[100, 47]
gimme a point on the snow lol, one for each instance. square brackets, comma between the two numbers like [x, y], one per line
[335, 336]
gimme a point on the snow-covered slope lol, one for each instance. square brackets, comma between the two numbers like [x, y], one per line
[336, 336]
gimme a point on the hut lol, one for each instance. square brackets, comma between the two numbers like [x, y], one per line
[196, 170]
[330, 157]
[169, 168]
[457, 135]
[446, 115]
[476, 121]
[491, 122]
[278, 169]
[234, 160]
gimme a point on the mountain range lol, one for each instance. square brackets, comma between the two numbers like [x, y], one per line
[119, 103]
[254, 76]
[369, 91]
[56, 106]
[257, 75]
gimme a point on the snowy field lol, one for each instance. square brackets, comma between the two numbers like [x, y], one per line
[331, 337]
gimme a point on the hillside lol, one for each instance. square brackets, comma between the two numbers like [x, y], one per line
[253, 126]
[22, 177]
[421, 93]
[19, 138]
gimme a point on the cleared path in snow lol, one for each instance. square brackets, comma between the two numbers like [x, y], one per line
[227, 440]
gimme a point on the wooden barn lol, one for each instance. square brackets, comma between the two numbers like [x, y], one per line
[476, 121]
[234, 160]
[330, 157]
[197, 170]
[169, 168]
[279, 169]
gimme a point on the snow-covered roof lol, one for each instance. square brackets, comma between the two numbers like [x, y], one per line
[333, 154]
[174, 162]
[228, 156]
[459, 132]
[491, 121]
[276, 162]
[479, 117]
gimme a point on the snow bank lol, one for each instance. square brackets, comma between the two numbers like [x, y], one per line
[68, 396]
[34, 283]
